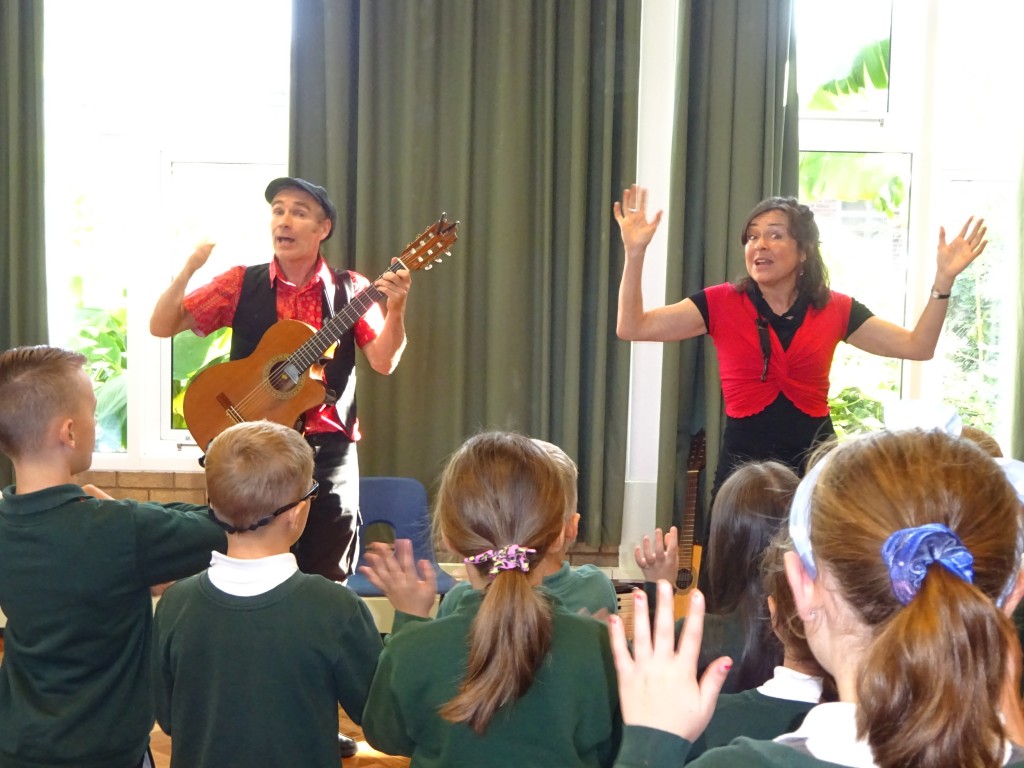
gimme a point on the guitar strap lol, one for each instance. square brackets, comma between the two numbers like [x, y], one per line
[342, 284]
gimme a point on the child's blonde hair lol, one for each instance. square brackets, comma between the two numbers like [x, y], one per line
[255, 467]
[569, 472]
[500, 489]
[37, 385]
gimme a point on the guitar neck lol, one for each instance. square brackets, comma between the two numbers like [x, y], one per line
[686, 534]
[334, 326]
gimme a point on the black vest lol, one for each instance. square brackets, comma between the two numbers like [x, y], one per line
[257, 311]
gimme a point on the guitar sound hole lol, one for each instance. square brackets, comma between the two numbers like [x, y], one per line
[284, 377]
[684, 578]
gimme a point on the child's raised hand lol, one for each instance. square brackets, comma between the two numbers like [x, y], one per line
[658, 686]
[660, 559]
[394, 573]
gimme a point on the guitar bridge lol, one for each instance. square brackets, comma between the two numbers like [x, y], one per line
[229, 408]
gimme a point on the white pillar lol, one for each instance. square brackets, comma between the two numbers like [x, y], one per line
[659, 23]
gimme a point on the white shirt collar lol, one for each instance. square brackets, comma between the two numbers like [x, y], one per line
[830, 734]
[789, 684]
[247, 578]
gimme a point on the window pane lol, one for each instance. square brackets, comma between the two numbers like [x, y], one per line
[174, 81]
[975, 350]
[223, 203]
[93, 223]
[860, 204]
[843, 56]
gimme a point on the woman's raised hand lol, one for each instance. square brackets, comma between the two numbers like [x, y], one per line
[954, 257]
[634, 227]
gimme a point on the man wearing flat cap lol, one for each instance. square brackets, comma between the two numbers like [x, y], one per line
[298, 284]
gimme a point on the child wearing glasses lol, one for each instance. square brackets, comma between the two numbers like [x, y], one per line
[75, 578]
[252, 657]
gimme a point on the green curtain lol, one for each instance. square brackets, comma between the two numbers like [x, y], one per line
[518, 119]
[735, 143]
[22, 255]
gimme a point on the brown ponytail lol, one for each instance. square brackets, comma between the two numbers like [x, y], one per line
[933, 670]
[927, 692]
[501, 489]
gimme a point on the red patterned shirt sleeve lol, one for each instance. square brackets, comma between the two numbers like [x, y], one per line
[369, 326]
[213, 305]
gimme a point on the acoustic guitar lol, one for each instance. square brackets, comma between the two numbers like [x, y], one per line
[283, 377]
[690, 553]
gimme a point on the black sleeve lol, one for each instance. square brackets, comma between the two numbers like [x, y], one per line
[702, 304]
[858, 314]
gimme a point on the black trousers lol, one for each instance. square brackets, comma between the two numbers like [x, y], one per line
[329, 545]
[779, 433]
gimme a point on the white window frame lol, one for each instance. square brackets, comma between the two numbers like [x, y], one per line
[929, 40]
[169, 132]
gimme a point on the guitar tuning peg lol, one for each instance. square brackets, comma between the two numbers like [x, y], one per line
[438, 260]
[447, 253]
[428, 267]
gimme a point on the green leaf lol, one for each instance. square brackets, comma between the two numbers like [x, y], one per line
[192, 353]
[112, 414]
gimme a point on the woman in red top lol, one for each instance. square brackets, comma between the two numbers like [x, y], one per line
[777, 328]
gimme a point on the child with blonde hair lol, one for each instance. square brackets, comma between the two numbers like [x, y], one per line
[510, 671]
[252, 657]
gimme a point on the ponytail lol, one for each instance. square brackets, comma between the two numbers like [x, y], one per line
[927, 695]
[502, 505]
[509, 638]
[937, 644]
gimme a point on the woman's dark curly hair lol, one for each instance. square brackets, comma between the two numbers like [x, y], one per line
[812, 281]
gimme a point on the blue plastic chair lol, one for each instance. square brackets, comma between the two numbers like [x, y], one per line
[400, 503]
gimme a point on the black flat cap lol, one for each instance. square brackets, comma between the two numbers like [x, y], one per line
[318, 193]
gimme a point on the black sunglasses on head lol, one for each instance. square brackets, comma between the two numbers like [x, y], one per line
[310, 494]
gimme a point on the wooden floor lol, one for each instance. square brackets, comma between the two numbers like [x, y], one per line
[367, 757]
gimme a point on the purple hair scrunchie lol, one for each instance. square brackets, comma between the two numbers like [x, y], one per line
[505, 559]
[908, 552]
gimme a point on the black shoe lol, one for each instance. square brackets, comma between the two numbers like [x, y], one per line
[347, 747]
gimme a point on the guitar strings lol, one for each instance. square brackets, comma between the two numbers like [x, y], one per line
[264, 393]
